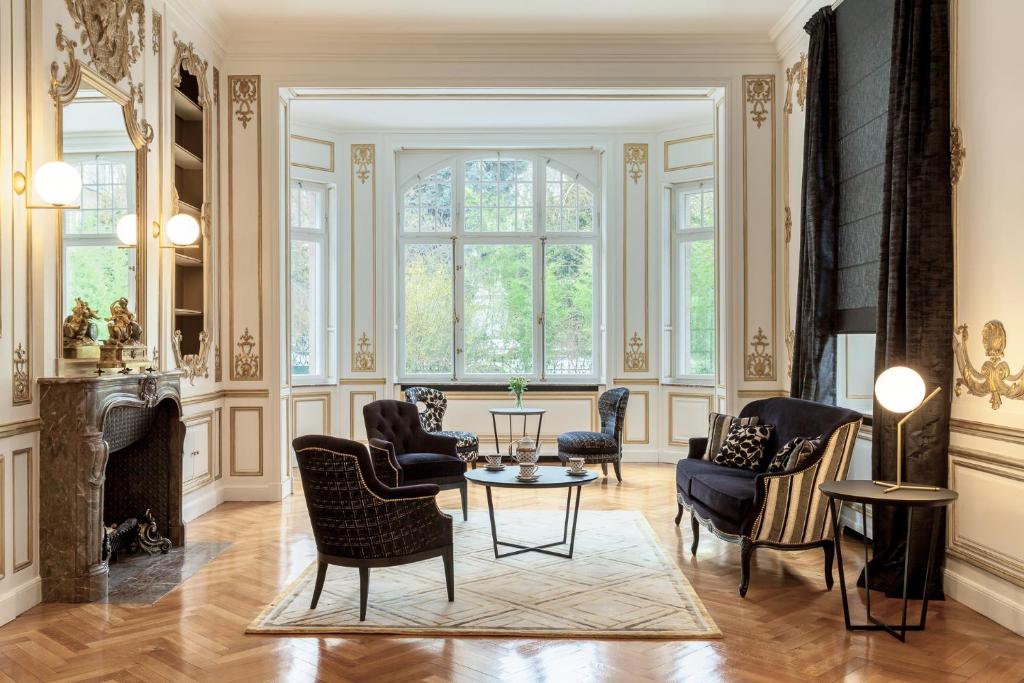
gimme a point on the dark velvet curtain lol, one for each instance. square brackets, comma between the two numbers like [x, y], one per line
[915, 294]
[814, 348]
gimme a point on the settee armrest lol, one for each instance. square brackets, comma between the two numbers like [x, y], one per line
[697, 447]
[385, 464]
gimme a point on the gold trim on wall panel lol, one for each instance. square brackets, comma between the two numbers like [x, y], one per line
[26, 378]
[359, 380]
[635, 380]
[206, 418]
[219, 461]
[246, 365]
[23, 427]
[647, 420]
[232, 412]
[363, 168]
[796, 83]
[957, 149]
[977, 554]
[982, 430]
[759, 364]
[683, 141]
[27, 562]
[324, 398]
[3, 518]
[330, 153]
[352, 409]
[635, 167]
[710, 398]
[218, 371]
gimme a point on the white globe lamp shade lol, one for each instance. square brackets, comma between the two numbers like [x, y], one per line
[128, 229]
[182, 230]
[899, 389]
[57, 183]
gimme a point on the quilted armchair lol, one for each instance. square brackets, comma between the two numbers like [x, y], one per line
[783, 510]
[435, 404]
[404, 453]
[360, 522]
[604, 446]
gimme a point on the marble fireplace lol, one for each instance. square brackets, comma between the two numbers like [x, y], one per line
[111, 447]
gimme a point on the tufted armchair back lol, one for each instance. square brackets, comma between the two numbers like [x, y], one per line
[435, 402]
[612, 409]
[396, 422]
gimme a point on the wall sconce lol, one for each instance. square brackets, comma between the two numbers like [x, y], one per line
[128, 230]
[56, 182]
[182, 231]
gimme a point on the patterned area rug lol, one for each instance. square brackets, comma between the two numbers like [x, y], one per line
[619, 584]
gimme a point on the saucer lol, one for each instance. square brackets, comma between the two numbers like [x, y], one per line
[528, 479]
[576, 474]
[494, 468]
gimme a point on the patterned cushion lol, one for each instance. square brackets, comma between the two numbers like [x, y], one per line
[587, 442]
[435, 403]
[743, 447]
[718, 428]
[796, 451]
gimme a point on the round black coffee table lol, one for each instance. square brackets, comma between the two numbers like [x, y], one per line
[868, 493]
[550, 478]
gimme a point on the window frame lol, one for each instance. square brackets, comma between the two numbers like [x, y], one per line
[320, 283]
[678, 236]
[538, 238]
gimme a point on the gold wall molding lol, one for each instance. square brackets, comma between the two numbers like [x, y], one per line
[356, 381]
[635, 166]
[628, 381]
[246, 361]
[365, 360]
[324, 398]
[760, 364]
[985, 430]
[761, 393]
[647, 419]
[372, 395]
[193, 420]
[21, 386]
[760, 96]
[158, 26]
[670, 439]
[994, 379]
[796, 86]
[26, 453]
[18, 428]
[363, 161]
[636, 161]
[636, 357]
[233, 412]
[682, 141]
[957, 152]
[317, 141]
[363, 168]
[244, 92]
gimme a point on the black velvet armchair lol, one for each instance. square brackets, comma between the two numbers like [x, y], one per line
[404, 453]
[360, 522]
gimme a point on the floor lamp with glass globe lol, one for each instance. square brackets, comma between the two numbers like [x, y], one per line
[901, 390]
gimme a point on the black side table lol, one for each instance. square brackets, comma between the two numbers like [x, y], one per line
[868, 493]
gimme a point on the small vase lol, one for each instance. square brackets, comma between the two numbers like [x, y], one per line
[519, 401]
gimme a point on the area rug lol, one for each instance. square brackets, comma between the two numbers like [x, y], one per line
[619, 584]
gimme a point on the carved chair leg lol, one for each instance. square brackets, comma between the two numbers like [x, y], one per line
[695, 527]
[321, 573]
[364, 588]
[604, 468]
[618, 470]
[465, 496]
[746, 552]
[679, 515]
[830, 552]
[449, 572]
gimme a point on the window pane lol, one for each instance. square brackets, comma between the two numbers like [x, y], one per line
[99, 275]
[428, 309]
[498, 309]
[569, 309]
[503, 189]
[570, 206]
[698, 259]
[105, 193]
[427, 207]
[307, 309]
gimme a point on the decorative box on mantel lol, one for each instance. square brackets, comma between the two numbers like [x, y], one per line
[111, 448]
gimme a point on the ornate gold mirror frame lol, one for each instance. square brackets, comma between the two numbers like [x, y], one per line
[63, 90]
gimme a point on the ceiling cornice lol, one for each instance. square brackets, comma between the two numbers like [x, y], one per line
[201, 19]
[788, 31]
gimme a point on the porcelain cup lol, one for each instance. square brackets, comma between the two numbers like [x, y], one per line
[527, 470]
[493, 460]
[577, 465]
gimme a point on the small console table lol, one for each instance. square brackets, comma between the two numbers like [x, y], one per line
[514, 412]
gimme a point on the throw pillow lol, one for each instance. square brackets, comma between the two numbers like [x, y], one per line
[744, 446]
[718, 429]
[793, 453]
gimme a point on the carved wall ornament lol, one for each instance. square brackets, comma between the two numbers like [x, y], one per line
[993, 379]
[244, 91]
[759, 96]
[149, 390]
[192, 365]
[22, 386]
[635, 356]
[217, 375]
[635, 157]
[247, 361]
[185, 56]
[106, 35]
[957, 152]
[759, 361]
[216, 86]
[363, 159]
[790, 344]
[796, 78]
[365, 360]
[788, 225]
[158, 26]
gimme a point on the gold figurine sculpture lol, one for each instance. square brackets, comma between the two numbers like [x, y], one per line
[122, 326]
[80, 331]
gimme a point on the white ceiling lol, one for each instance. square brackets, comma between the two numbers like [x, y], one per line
[508, 16]
[501, 114]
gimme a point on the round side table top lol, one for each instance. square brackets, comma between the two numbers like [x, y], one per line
[550, 477]
[864, 491]
[517, 411]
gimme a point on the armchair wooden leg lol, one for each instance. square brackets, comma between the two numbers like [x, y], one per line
[746, 552]
[604, 468]
[321, 573]
[695, 527]
[830, 552]
[465, 496]
[449, 572]
[679, 515]
[364, 588]
[618, 470]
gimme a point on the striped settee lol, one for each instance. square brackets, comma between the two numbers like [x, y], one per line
[782, 510]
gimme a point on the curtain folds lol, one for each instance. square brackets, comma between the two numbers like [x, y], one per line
[814, 348]
[915, 297]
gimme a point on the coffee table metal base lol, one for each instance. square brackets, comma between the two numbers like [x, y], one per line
[567, 537]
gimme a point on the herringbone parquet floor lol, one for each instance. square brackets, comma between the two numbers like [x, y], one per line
[787, 629]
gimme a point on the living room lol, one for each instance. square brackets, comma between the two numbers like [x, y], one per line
[311, 308]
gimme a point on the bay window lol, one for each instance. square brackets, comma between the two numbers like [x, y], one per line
[693, 280]
[309, 228]
[498, 258]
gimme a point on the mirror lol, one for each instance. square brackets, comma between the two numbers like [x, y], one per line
[98, 135]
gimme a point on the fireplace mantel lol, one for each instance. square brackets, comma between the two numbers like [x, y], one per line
[81, 425]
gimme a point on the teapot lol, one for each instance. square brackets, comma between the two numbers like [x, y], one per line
[524, 451]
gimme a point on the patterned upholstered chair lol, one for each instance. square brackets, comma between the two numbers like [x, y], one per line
[604, 446]
[360, 522]
[403, 453]
[435, 404]
[782, 510]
